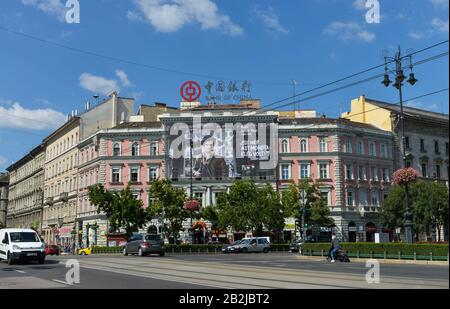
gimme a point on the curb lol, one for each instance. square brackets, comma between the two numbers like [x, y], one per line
[382, 261]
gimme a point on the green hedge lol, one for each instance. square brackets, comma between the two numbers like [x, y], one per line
[391, 250]
[97, 250]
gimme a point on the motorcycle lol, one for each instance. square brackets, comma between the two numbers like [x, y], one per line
[340, 256]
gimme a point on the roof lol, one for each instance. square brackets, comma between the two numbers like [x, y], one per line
[18, 230]
[223, 107]
[151, 124]
[411, 112]
[322, 120]
[72, 120]
[26, 158]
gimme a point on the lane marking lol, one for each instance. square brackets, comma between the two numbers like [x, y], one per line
[20, 271]
[63, 282]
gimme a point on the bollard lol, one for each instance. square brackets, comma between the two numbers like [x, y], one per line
[357, 254]
[415, 256]
[399, 255]
[371, 254]
[322, 252]
[385, 255]
[431, 256]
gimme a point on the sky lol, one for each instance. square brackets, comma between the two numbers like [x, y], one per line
[147, 49]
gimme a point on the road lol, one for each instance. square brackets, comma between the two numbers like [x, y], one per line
[250, 271]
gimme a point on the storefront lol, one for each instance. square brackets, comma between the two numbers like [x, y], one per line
[92, 232]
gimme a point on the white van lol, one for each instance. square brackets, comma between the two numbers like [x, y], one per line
[21, 244]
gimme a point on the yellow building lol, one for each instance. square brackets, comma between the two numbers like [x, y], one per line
[426, 134]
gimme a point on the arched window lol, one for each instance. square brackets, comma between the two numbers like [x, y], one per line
[303, 145]
[116, 149]
[135, 149]
[284, 146]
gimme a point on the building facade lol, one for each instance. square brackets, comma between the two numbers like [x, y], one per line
[60, 184]
[426, 134]
[4, 187]
[26, 190]
[129, 154]
[352, 163]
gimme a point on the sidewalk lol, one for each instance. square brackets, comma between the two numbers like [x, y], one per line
[382, 261]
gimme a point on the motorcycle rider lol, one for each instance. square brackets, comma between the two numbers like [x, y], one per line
[335, 246]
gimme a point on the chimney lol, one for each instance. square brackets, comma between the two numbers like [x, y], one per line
[76, 112]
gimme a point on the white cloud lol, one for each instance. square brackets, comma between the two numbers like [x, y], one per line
[416, 35]
[6, 102]
[124, 78]
[98, 84]
[440, 25]
[102, 85]
[171, 15]
[37, 119]
[419, 105]
[51, 7]
[440, 3]
[2, 161]
[270, 20]
[349, 31]
[359, 5]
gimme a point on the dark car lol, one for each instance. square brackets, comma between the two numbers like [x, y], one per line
[144, 244]
[52, 250]
[296, 244]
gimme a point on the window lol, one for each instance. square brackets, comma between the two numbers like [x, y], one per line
[134, 174]
[323, 144]
[137, 196]
[372, 150]
[373, 173]
[446, 149]
[153, 173]
[406, 142]
[422, 145]
[115, 174]
[424, 170]
[305, 170]
[438, 171]
[348, 146]
[284, 146]
[385, 174]
[360, 147]
[135, 150]
[285, 169]
[198, 196]
[349, 171]
[154, 149]
[436, 147]
[116, 149]
[363, 197]
[325, 197]
[350, 200]
[303, 145]
[323, 171]
[374, 198]
[361, 172]
[384, 151]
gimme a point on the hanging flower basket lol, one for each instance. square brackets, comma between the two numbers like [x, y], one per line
[199, 225]
[192, 205]
[404, 176]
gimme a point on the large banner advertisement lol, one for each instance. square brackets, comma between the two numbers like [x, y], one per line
[222, 150]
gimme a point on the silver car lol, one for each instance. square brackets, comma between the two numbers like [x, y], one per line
[144, 244]
[254, 244]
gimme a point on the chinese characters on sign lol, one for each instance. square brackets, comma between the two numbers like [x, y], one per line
[227, 91]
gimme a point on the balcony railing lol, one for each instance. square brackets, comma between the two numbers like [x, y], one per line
[48, 201]
[64, 196]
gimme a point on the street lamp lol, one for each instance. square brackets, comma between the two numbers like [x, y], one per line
[399, 79]
[303, 211]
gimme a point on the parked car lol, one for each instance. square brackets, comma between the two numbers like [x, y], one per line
[85, 251]
[52, 250]
[296, 244]
[144, 244]
[21, 244]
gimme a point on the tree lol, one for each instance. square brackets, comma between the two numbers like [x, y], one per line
[393, 209]
[168, 202]
[317, 211]
[439, 202]
[210, 214]
[35, 225]
[121, 208]
[249, 208]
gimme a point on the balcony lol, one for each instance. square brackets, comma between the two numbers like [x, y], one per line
[64, 196]
[48, 201]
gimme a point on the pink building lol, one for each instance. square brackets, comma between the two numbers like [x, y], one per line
[131, 153]
[352, 162]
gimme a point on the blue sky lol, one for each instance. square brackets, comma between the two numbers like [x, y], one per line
[268, 43]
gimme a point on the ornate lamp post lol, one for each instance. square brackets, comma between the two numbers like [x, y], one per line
[404, 177]
[399, 79]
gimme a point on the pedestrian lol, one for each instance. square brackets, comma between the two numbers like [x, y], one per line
[335, 246]
[73, 248]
